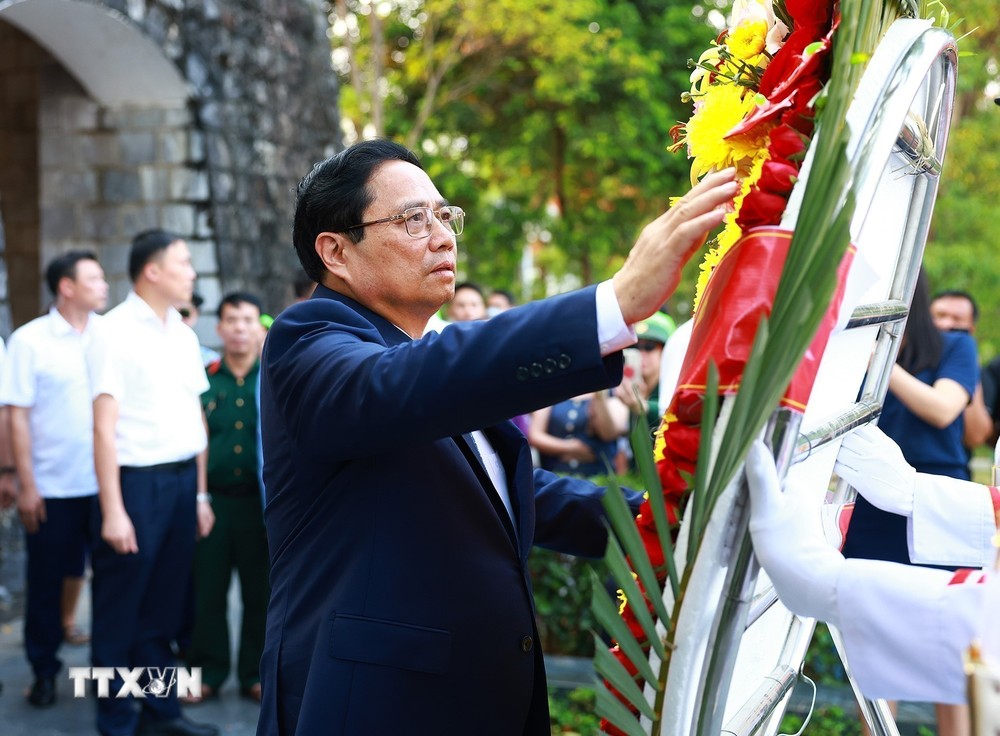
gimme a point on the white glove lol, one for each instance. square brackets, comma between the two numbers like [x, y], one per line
[788, 540]
[874, 465]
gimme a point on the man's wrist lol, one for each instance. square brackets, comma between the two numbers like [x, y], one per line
[203, 497]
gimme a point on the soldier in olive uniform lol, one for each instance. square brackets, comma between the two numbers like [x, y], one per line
[238, 540]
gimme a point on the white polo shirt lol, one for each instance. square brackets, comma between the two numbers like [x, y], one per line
[154, 371]
[45, 371]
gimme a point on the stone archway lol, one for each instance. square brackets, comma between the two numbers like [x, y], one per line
[95, 143]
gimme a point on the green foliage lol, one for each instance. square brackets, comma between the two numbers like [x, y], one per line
[547, 121]
[961, 250]
[831, 721]
[563, 590]
[573, 712]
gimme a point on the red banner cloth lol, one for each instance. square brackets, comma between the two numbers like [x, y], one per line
[741, 291]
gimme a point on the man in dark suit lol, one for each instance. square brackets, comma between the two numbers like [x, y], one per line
[401, 503]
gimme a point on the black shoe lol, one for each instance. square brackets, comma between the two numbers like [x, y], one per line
[180, 726]
[43, 692]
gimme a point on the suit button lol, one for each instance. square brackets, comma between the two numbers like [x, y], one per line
[522, 373]
[550, 365]
[564, 361]
[536, 370]
[526, 644]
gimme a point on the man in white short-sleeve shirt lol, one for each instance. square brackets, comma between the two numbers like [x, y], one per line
[146, 378]
[44, 382]
[8, 488]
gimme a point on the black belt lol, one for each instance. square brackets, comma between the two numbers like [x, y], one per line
[174, 467]
[237, 491]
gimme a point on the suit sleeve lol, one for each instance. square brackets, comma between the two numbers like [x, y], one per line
[570, 517]
[343, 393]
[906, 628]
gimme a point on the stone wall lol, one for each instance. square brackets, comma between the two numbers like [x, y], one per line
[107, 174]
[220, 170]
[21, 65]
[264, 107]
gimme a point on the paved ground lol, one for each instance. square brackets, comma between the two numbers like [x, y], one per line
[234, 715]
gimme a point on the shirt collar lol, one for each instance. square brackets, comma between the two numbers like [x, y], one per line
[61, 328]
[224, 369]
[145, 312]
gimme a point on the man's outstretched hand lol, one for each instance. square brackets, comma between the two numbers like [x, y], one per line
[653, 267]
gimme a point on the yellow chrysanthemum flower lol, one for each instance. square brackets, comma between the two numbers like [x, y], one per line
[722, 107]
[731, 232]
[747, 40]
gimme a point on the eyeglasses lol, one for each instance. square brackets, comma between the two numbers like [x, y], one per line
[420, 220]
[648, 346]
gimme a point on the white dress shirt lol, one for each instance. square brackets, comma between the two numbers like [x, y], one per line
[612, 335]
[154, 371]
[45, 372]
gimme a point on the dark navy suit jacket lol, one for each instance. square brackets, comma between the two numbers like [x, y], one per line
[399, 602]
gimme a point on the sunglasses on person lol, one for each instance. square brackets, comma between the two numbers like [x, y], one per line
[648, 346]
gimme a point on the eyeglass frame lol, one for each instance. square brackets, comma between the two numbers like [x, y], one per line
[404, 214]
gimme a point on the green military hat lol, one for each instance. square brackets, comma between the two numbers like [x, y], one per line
[657, 328]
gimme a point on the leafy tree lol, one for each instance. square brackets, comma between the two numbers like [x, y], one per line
[962, 249]
[548, 121]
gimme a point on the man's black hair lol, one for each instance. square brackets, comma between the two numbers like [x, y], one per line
[470, 285]
[64, 267]
[147, 246]
[336, 193]
[236, 298]
[506, 295]
[959, 294]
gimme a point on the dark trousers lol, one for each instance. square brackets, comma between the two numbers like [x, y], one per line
[56, 551]
[137, 598]
[238, 540]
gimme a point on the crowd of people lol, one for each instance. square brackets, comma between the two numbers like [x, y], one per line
[128, 441]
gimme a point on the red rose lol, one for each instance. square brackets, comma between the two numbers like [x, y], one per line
[786, 143]
[645, 518]
[682, 440]
[670, 478]
[778, 177]
[651, 541]
[761, 208]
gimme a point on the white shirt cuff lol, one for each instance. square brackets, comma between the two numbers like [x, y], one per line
[612, 332]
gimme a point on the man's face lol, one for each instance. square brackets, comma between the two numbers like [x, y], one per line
[652, 353]
[391, 269]
[88, 290]
[239, 328]
[467, 305]
[172, 273]
[952, 313]
[498, 303]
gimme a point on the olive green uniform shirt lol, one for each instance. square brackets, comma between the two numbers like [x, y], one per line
[231, 411]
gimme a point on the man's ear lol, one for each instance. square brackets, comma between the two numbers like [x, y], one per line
[332, 250]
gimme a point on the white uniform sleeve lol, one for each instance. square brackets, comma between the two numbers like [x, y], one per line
[17, 374]
[953, 523]
[906, 628]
